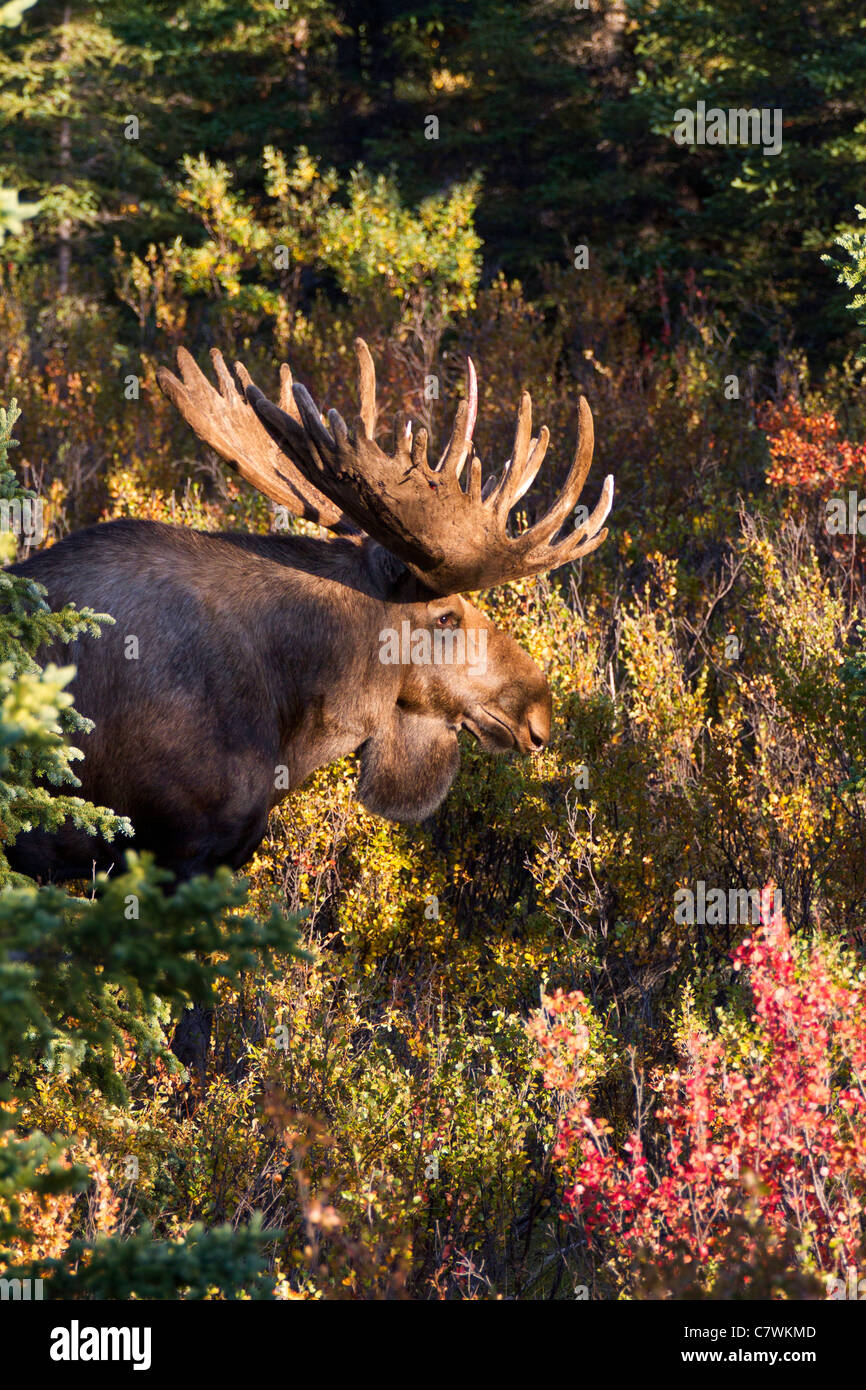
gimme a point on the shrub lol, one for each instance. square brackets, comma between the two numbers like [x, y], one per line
[755, 1140]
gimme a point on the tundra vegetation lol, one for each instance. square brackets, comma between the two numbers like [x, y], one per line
[488, 1055]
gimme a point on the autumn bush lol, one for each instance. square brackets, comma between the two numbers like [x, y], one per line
[746, 1169]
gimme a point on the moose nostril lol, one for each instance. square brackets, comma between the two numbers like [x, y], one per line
[536, 739]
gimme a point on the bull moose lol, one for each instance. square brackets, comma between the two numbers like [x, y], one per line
[259, 658]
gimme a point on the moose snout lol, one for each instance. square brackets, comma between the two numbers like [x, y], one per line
[535, 730]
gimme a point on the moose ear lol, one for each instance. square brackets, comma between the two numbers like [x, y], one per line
[388, 571]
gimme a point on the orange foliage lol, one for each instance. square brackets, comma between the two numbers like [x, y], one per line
[807, 451]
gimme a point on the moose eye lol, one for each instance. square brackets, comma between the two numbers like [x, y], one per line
[447, 620]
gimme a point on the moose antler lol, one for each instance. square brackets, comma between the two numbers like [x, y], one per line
[225, 421]
[453, 540]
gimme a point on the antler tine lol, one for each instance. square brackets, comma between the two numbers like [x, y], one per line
[193, 394]
[312, 421]
[252, 392]
[419, 449]
[526, 459]
[519, 454]
[192, 380]
[451, 462]
[472, 397]
[227, 421]
[228, 390]
[456, 453]
[475, 491]
[583, 539]
[552, 522]
[287, 400]
[366, 387]
[286, 427]
[402, 439]
[520, 485]
[537, 451]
